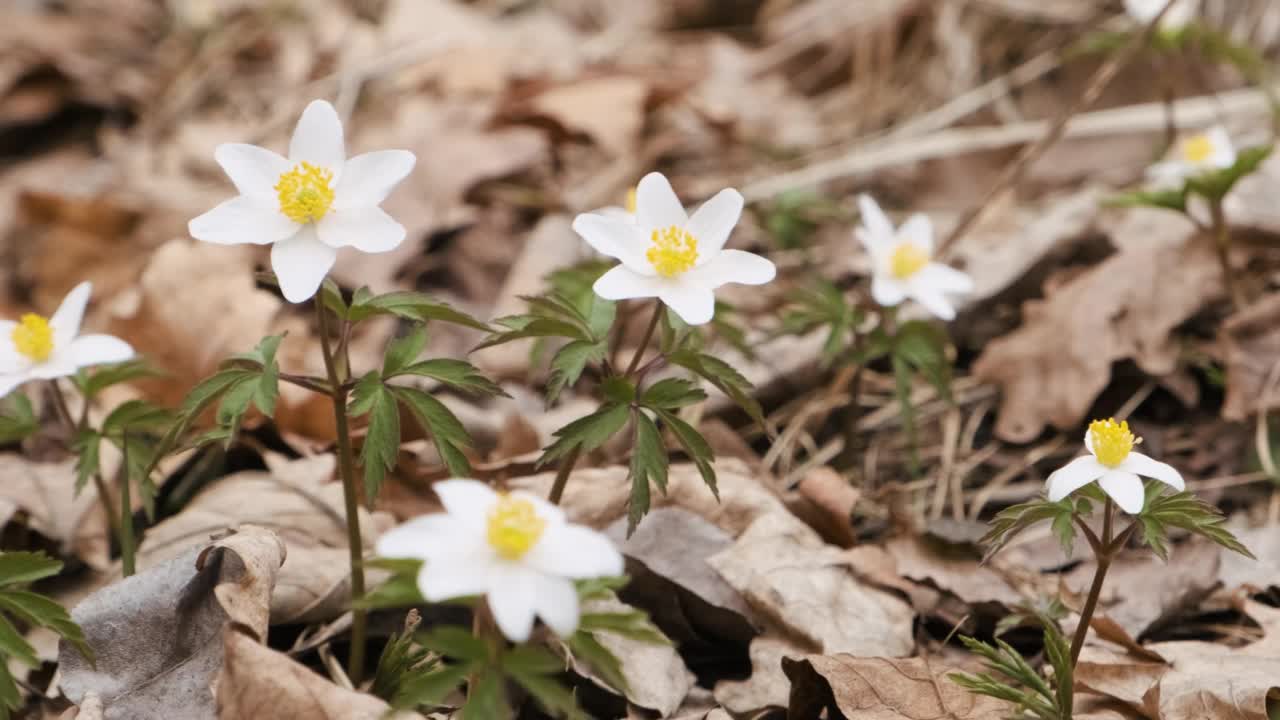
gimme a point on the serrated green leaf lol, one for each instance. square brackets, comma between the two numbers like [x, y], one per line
[1187, 512]
[454, 373]
[486, 698]
[446, 431]
[401, 352]
[381, 446]
[13, 645]
[570, 361]
[722, 375]
[618, 390]
[696, 446]
[411, 306]
[10, 696]
[1171, 199]
[586, 648]
[17, 418]
[672, 394]
[587, 433]
[433, 687]
[399, 591]
[135, 416]
[452, 641]
[531, 667]
[235, 401]
[39, 610]
[25, 567]
[1215, 185]
[634, 624]
[535, 327]
[1011, 521]
[87, 445]
[331, 296]
[648, 464]
[531, 659]
[92, 382]
[601, 587]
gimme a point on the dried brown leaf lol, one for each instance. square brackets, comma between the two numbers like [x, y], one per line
[1250, 344]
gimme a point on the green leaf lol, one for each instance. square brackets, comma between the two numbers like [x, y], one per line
[92, 382]
[433, 687]
[382, 439]
[411, 306]
[40, 610]
[570, 361]
[486, 698]
[696, 446]
[1215, 185]
[532, 667]
[210, 389]
[17, 418]
[532, 326]
[136, 416]
[672, 394]
[10, 696]
[586, 433]
[722, 375]
[648, 464]
[1187, 512]
[633, 624]
[25, 567]
[438, 421]
[87, 445]
[902, 377]
[235, 401]
[399, 591]
[454, 373]
[1011, 521]
[618, 390]
[452, 641]
[401, 352]
[331, 296]
[605, 664]
[13, 645]
[600, 587]
[923, 346]
[1172, 199]
[823, 304]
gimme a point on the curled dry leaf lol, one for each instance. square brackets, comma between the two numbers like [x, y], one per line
[1053, 367]
[877, 688]
[971, 580]
[1250, 344]
[157, 634]
[258, 683]
[297, 501]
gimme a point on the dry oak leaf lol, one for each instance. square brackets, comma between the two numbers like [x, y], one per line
[1053, 367]
[157, 634]
[610, 110]
[876, 688]
[258, 683]
[1250, 344]
[299, 502]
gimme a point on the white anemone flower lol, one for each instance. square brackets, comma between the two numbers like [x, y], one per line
[668, 254]
[1178, 17]
[902, 262]
[40, 348]
[515, 549]
[308, 205]
[1113, 463]
[625, 213]
[1192, 156]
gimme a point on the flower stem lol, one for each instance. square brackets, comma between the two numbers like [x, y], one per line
[566, 465]
[1222, 243]
[74, 428]
[346, 467]
[1104, 557]
[128, 566]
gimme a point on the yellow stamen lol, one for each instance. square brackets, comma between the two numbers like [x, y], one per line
[305, 192]
[631, 201]
[514, 527]
[1112, 441]
[907, 260]
[674, 251]
[1197, 150]
[33, 337]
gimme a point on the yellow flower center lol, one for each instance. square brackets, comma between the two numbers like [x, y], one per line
[514, 527]
[907, 260]
[674, 251]
[1197, 150]
[631, 201]
[33, 337]
[305, 192]
[1112, 441]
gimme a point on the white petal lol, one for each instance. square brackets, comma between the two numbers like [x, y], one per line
[657, 206]
[623, 283]
[368, 179]
[944, 278]
[512, 600]
[887, 291]
[1125, 488]
[300, 264]
[574, 551]
[1073, 476]
[1167, 175]
[694, 304]
[427, 537]
[1224, 152]
[734, 266]
[446, 578]
[1088, 442]
[615, 238]
[96, 350]
[253, 170]
[1144, 11]
[242, 219]
[66, 320]
[1140, 464]
[368, 229]
[467, 500]
[556, 601]
[9, 382]
[317, 138]
[712, 223]
[918, 230]
[932, 299]
[877, 231]
[60, 365]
